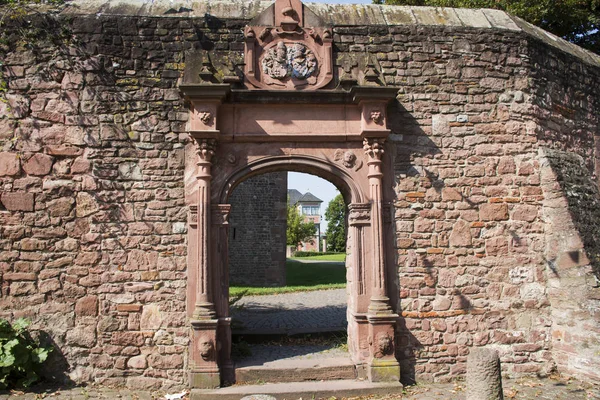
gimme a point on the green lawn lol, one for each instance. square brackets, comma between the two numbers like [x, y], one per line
[301, 277]
[329, 257]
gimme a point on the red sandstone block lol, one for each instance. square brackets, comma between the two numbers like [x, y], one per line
[419, 195]
[493, 212]
[129, 307]
[38, 164]
[87, 306]
[64, 150]
[19, 276]
[127, 338]
[17, 201]
[10, 164]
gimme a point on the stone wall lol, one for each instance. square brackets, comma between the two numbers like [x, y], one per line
[93, 220]
[257, 231]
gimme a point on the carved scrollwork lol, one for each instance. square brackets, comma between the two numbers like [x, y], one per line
[359, 213]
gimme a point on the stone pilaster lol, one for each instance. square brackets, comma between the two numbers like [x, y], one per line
[383, 365]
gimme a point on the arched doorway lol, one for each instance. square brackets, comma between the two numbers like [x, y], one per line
[338, 135]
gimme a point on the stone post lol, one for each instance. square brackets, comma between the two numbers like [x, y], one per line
[484, 379]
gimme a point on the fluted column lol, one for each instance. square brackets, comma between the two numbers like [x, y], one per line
[379, 300]
[204, 308]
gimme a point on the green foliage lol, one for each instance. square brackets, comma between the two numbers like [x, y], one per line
[20, 355]
[301, 277]
[336, 225]
[574, 20]
[297, 230]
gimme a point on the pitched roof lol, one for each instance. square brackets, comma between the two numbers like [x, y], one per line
[309, 197]
[294, 195]
[297, 197]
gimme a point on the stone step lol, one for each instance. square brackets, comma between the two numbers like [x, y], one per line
[297, 390]
[297, 370]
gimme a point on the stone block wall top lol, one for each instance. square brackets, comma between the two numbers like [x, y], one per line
[334, 15]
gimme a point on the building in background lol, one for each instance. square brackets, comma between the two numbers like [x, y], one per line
[309, 207]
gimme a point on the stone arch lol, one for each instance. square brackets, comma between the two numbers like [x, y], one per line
[351, 192]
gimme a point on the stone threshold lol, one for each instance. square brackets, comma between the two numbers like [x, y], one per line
[305, 390]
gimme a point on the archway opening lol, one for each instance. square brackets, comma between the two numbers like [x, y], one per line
[287, 295]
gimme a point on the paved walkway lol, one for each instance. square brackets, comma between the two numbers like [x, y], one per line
[291, 313]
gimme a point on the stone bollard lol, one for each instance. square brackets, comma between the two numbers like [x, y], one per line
[484, 380]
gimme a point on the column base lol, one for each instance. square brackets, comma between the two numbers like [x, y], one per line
[379, 306]
[384, 371]
[204, 311]
[205, 379]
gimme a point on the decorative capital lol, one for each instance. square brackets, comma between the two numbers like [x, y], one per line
[205, 148]
[359, 214]
[373, 148]
[220, 214]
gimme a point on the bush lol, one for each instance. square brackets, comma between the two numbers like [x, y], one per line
[314, 253]
[20, 355]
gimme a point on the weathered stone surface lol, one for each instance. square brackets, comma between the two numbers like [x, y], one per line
[461, 234]
[151, 317]
[83, 336]
[17, 201]
[38, 164]
[10, 164]
[87, 306]
[484, 379]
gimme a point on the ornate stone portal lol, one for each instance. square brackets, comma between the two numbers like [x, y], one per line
[330, 133]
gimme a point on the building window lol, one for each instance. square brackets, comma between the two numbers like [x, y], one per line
[310, 210]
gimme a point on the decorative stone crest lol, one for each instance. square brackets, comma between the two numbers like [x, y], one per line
[291, 60]
[287, 55]
[348, 159]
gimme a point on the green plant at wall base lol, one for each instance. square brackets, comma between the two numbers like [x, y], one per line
[20, 355]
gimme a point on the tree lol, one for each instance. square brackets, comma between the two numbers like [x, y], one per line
[297, 230]
[574, 20]
[336, 224]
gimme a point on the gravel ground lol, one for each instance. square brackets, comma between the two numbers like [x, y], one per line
[291, 313]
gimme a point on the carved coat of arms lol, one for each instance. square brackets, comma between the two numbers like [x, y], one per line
[291, 60]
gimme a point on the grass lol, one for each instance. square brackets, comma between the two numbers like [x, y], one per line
[300, 277]
[330, 257]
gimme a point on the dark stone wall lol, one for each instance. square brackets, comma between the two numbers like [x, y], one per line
[257, 231]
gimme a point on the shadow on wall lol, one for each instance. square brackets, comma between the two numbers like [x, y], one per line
[409, 143]
[56, 367]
